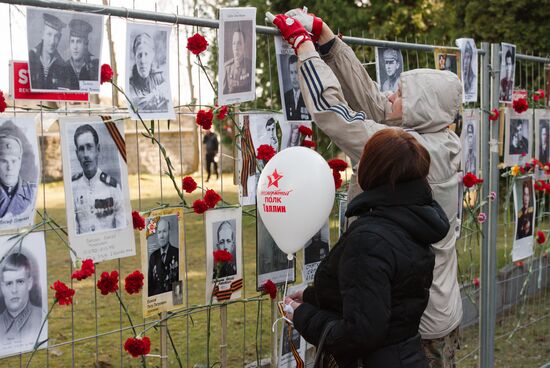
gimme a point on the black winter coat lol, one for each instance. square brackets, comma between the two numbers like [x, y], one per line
[375, 281]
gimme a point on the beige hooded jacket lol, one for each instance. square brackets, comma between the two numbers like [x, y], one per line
[346, 104]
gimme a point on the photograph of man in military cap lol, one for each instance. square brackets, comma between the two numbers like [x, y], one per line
[238, 69]
[389, 66]
[147, 71]
[163, 250]
[64, 50]
[507, 71]
[519, 131]
[83, 65]
[97, 194]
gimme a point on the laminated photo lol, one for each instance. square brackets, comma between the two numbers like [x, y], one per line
[389, 66]
[315, 250]
[64, 50]
[447, 59]
[19, 171]
[162, 259]
[237, 55]
[525, 215]
[518, 143]
[23, 293]
[99, 214]
[468, 60]
[507, 72]
[224, 280]
[148, 71]
[294, 107]
[470, 141]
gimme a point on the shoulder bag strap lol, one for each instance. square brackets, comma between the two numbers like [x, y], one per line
[319, 352]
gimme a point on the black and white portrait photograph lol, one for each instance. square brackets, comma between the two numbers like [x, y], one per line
[177, 292]
[525, 214]
[64, 50]
[389, 66]
[315, 250]
[224, 280]
[518, 141]
[294, 107]
[468, 60]
[163, 253]
[258, 129]
[470, 141]
[542, 136]
[290, 133]
[271, 263]
[96, 188]
[148, 71]
[23, 293]
[237, 55]
[19, 171]
[447, 59]
[507, 71]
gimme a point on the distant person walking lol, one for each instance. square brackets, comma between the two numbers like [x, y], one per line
[210, 141]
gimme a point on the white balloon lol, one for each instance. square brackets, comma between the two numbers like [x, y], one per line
[295, 196]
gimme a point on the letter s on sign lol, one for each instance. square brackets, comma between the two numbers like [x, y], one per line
[23, 76]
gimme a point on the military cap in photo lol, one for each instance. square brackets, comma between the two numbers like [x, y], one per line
[391, 54]
[53, 22]
[80, 28]
[10, 146]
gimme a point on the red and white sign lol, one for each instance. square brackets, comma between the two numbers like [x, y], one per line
[20, 87]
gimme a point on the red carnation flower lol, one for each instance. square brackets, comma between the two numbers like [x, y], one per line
[476, 282]
[309, 144]
[108, 283]
[520, 105]
[541, 238]
[222, 112]
[137, 347]
[337, 179]
[188, 184]
[337, 164]
[211, 198]
[470, 180]
[106, 73]
[133, 282]
[196, 44]
[63, 293]
[204, 119]
[222, 256]
[86, 270]
[138, 220]
[540, 93]
[539, 185]
[3, 103]
[265, 152]
[520, 264]
[270, 288]
[304, 130]
[493, 116]
[200, 206]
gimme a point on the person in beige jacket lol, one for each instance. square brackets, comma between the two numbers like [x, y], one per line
[348, 106]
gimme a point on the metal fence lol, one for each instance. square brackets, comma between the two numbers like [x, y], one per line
[505, 317]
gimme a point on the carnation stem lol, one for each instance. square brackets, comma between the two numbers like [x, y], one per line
[174, 347]
[126, 312]
[36, 345]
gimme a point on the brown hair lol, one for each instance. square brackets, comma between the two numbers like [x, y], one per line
[392, 156]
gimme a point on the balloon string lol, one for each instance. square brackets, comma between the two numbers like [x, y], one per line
[286, 280]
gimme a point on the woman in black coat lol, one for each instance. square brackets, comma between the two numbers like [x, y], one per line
[375, 282]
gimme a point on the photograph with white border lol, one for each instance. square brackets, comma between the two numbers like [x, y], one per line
[224, 232]
[64, 50]
[237, 55]
[525, 215]
[389, 66]
[23, 293]
[290, 133]
[99, 213]
[468, 60]
[518, 142]
[507, 72]
[19, 171]
[542, 141]
[469, 138]
[148, 71]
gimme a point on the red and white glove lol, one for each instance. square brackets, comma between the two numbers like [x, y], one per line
[291, 30]
[311, 23]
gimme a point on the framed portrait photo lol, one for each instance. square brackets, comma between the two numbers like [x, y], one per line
[518, 143]
[64, 50]
[99, 214]
[237, 55]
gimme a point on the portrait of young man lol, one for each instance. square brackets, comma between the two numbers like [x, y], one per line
[543, 152]
[295, 107]
[525, 224]
[389, 67]
[83, 65]
[470, 149]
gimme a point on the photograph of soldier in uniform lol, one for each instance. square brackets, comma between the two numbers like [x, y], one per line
[163, 250]
[543, 142]
[468, 60]
[19, 172]
[148, 71]
[519, 131]
[469, 146]
[23, 293]
[389, 66]
[95, 181]
[224, 239]
[447, 59]
[64, 50]
[525, 211]
[507, 71]
[237, 55]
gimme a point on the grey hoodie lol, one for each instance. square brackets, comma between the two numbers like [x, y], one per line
[346, 104]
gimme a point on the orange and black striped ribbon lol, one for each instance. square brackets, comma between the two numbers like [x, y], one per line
[115, 134]
[297, 357]
[222, 295]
